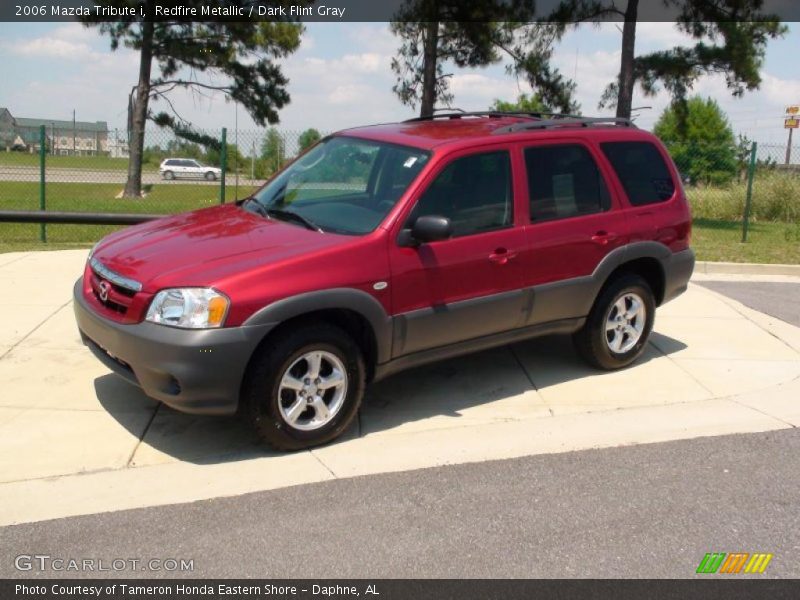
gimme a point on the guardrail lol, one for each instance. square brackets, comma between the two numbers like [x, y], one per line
[74, 218]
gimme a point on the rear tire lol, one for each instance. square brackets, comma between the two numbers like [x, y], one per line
[291, 407]
[619, 324]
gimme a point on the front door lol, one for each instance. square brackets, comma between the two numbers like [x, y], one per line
[467, 286]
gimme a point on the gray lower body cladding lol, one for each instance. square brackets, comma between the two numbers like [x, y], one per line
[195, 371]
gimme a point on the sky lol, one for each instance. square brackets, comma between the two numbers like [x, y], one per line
[341, 77]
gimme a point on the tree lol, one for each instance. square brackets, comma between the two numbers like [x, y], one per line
[233, 157]
[273, 152]
[308, 138]
[434, 33]
[731, 36]
[703, 147]
[524, 103]
[239, 54]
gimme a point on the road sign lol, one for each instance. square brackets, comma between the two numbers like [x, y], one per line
[794, 109]
[791, 123]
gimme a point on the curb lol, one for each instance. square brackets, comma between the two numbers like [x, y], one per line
[729, 268]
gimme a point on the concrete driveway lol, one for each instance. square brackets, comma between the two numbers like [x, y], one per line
[75, 439]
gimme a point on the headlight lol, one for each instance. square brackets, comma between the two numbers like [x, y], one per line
[189, 308]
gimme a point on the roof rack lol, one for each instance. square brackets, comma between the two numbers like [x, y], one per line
[564, 122]
[457, 113]
[496, 114]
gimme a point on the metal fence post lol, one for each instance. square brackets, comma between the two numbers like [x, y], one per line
[223, 164]
[749, 199]
[42, 199]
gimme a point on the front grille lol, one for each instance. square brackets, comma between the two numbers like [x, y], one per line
[117, 299]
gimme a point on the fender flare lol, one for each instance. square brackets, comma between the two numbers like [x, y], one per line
[350, 299]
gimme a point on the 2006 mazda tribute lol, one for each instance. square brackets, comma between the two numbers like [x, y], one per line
[389, 246]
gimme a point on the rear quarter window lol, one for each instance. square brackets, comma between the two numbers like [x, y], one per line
[641, 170]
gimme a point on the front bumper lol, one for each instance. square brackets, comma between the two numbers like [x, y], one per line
[191, 370]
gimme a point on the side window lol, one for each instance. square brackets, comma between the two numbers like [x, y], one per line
[474, 192]
[642, 171]
[564, 181]
[171, 163]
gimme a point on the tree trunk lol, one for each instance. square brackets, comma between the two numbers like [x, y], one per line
[429, 58]
[133, 187]
[626, 79]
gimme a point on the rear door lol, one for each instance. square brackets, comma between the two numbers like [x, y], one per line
[648, 185]
[468, 286]
[574, 221]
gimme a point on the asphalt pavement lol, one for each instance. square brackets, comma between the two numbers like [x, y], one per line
[777, 299]
[644, 511]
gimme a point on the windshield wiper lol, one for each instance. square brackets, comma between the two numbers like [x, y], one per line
[256, 205]
[284, 214]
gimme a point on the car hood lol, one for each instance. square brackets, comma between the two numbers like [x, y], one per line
[201, 247]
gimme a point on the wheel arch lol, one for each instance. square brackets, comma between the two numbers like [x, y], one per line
[352, 310]
[645, 259]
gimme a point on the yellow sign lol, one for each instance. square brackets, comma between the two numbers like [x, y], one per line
[792, 123]
[793, 109]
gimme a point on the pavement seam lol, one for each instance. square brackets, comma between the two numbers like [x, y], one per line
[324, 466]
[141, 439]
[691, 376]
[530, 379]
[736, 305]
[11, 262]
[790, 424]
[27, 335]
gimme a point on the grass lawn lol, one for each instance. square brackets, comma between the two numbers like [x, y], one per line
[92, 197]
[712, 239]
[104, 163]
[766, 242]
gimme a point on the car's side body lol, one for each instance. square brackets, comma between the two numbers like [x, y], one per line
[403, 304]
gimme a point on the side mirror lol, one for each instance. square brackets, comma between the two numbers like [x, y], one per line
[428, 228]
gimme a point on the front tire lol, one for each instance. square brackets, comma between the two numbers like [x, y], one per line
[304, 388]
[210, 176]
[619, 324]
[169, 175]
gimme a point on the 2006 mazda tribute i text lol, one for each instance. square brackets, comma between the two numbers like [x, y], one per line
[385, 247]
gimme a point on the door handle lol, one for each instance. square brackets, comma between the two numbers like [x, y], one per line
[501, 256]
[603, 237]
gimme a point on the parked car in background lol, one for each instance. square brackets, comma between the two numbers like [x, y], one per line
[387, 247]
[173, 168]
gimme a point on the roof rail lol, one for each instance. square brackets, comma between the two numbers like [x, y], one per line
[564, 122]
[496, 114]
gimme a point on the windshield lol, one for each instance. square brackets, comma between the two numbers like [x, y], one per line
[343, 184]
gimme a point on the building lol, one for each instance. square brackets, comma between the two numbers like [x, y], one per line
[80, 138]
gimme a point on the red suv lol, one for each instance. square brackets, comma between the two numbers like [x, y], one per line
[386, 247]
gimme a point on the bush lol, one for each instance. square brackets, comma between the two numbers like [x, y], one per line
[776, 198]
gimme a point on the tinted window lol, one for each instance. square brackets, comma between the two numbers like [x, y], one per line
[474, 192]
[642, 171]
[171, 163]
[564, 181]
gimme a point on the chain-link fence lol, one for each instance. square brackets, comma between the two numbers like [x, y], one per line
[745, 200]
[89, 175]
[77, 174]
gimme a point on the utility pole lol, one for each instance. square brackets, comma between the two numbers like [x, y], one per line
[73, 132]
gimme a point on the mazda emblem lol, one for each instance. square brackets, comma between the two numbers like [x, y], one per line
[103, 292]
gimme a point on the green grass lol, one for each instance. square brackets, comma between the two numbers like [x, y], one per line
[104, 163]
[716, 234]
[93, 197]
[721, 241]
